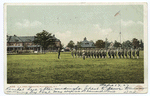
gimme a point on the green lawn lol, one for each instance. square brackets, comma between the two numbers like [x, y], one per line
[46, 68]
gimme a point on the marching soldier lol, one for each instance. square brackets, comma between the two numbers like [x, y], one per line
[100, 53]
[94, 53]
[105, 53]
[87, 55]
[109, 55]
[97, 53]
[112, 53]
[122, 53]
[91, 52]
[137, 53]
[78, 53]
[115, 53]
[129, 53]
[119, 54]
[75, 53]
[83, 54]
[125, 53]
[133, 53]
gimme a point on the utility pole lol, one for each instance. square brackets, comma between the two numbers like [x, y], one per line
[106, 43]
[120, 27]
[120, 30]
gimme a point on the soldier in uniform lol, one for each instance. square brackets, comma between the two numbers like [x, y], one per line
[119, 54]
[75, 53]
[58, 53]
[83, 54]
[137, 53]
[94, 53]
[97, 53]
[109, 53]
[78, 53]
[105, 53]
[129, 53]
[86, 53]
[91, 53]
[122, 53]
[72, 53]
[112, 53]
[115, 53]
[102, 53]
[125, 53]
[133, 53]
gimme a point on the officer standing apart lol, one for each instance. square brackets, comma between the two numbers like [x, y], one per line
[58, 53]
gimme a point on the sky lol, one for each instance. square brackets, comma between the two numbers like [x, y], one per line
[74, 22]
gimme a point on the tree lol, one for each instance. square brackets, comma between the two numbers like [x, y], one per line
[61, 46]
[141, 44]
[100, 44]
[135, 43]
[79, 44]
[126, 44]
[117, 44]
[44, 39]
[71, 44]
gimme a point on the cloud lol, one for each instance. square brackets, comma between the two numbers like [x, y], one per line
[101, 31]
[130, 23]
[26, 23]
[64, 37]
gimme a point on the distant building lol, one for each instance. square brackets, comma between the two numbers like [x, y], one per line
[87, 44]
[26, 43]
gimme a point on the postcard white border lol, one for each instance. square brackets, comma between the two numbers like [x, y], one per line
[145, 85]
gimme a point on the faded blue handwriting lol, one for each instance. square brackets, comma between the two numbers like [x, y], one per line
[101, 88]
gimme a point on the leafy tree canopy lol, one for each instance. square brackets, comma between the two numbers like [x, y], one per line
[71, 44]
[44, 39]
[100, 44]
[135, 43]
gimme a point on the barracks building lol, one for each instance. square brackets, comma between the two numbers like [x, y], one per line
[20, 42]
[87, 44]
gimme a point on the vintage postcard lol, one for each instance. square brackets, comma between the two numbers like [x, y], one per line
[74, 48]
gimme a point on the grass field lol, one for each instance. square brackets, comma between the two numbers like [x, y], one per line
[46, 68]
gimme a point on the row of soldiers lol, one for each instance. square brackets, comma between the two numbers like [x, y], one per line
[110, 53]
